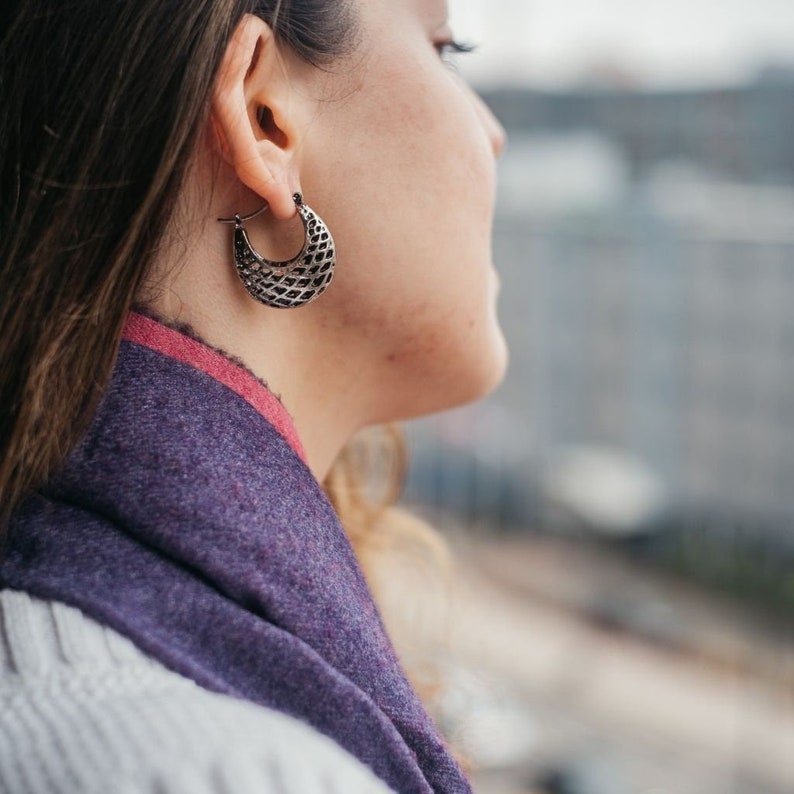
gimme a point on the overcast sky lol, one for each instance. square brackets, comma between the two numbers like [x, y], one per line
[661, 43]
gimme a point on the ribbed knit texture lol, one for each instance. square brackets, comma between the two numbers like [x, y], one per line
[83, 709]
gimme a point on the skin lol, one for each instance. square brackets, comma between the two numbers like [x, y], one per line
[397, 154]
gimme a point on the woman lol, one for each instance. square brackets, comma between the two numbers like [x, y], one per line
[182, 608]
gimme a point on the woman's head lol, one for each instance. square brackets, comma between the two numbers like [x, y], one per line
[397, 154]
[130, 127]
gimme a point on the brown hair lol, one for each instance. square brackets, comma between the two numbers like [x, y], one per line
[94, 145]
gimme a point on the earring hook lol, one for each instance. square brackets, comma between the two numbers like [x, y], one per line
[240, 219]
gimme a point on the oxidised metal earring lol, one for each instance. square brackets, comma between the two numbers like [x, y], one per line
[293, 282]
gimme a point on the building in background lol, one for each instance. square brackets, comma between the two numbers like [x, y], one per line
[645, 241]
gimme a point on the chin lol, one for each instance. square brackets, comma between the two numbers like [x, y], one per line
[484, 374]
[494, 367]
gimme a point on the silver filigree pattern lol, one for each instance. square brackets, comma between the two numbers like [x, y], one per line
[293, 282]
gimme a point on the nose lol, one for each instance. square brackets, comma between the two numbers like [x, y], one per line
[494, 128]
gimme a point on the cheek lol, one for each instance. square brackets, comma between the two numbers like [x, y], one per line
[420, 190]
[409, 190]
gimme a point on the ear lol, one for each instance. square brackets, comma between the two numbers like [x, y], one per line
[254, 128]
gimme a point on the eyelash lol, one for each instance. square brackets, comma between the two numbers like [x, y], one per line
[454, 46]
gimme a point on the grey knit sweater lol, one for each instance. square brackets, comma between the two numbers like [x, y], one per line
[83, 709]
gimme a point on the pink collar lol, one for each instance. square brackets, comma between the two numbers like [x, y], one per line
[145, 330]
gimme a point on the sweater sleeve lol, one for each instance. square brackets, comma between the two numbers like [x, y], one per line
[83, 710]
[307, 767]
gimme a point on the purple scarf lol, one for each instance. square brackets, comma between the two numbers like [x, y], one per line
[187, 519]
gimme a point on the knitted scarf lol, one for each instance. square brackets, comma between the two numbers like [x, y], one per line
[188, 520]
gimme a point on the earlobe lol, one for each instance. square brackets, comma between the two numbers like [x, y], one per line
[259, 154]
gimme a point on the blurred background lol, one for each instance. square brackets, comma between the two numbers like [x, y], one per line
[621, 509]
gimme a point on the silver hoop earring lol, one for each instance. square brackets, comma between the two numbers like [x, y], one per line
[293, 282]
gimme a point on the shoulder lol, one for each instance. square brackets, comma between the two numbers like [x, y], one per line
[82, 709]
